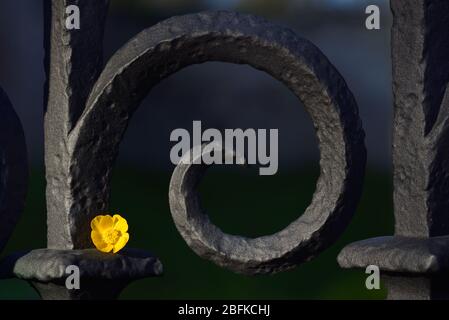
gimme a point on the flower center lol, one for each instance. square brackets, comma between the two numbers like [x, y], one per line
[111, 236]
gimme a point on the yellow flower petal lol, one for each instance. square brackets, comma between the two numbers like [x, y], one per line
[106, 222]
[108, 248]
[109, 233]
[121, 242]
[97, 239]
[120, 224]
[95, 222]
[96, 236]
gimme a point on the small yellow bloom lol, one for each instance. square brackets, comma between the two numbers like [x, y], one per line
[109, 233]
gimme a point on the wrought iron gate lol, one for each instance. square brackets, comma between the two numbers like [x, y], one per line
[88, 107]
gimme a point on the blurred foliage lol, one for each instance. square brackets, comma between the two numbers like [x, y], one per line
[240, 202]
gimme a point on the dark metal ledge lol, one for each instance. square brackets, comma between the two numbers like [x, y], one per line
[398, 254]
[102, 275]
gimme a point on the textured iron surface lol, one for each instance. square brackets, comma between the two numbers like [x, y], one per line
[305, 70]
[413, 287]
[231, 37]
[102, 275]
[13, 169]
[420, 50]
[420, 42]
[47, 265]
[73, 62]
[399, 254]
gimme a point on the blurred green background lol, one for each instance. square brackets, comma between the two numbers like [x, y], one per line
[240, 202]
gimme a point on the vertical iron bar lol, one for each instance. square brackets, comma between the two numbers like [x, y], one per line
[420, 51]
[76, 60]
[415, 260]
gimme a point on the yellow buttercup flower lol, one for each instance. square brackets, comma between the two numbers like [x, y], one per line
[109, 233]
